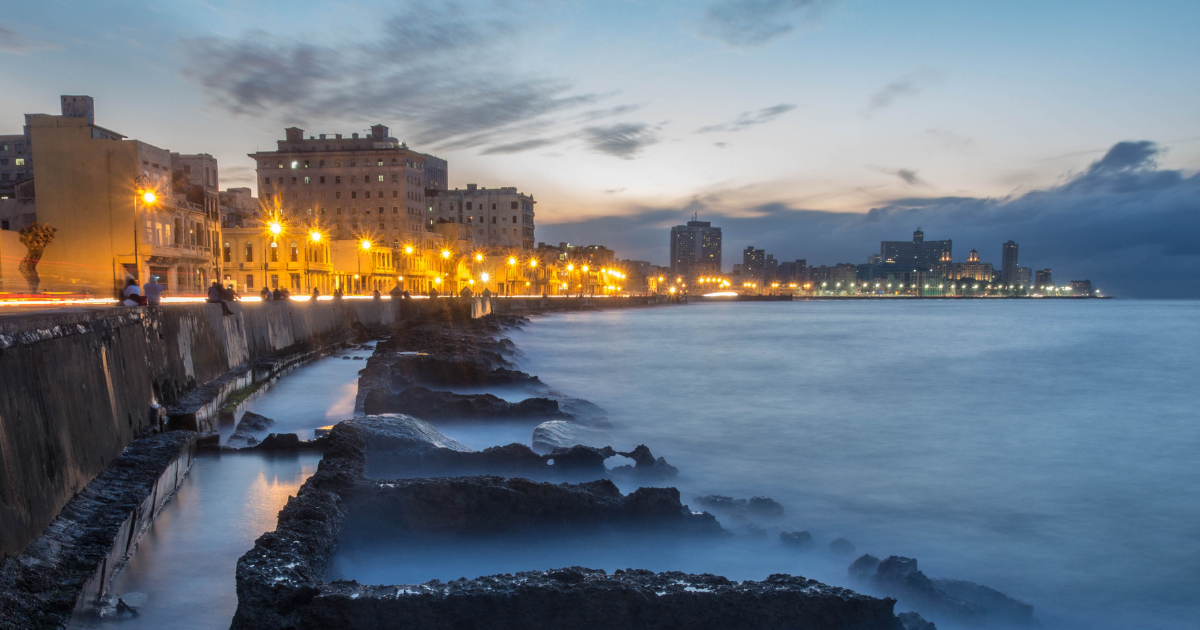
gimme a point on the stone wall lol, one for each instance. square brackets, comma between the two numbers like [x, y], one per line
[78, 385]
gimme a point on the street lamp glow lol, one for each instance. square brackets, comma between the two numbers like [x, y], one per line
[478, 257]
[366, 245]
[149, 196]
[437, 280]
[275, 228]
[512, 261]
[445, 253]
[532, 263]
[585, 268]
[570, 267]
[314, 236]
[408, 249]
[484, 276]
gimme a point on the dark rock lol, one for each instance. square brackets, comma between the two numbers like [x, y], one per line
[209, 441]
[646, 466]
[913, 621]
[954, 601]
[250, 424]
[796, 539]
[842, 546]
[345, 358]
[756, 507]
[434, 405]
[863, 568]
[280, 442]
[586, 460]
[553, 434]
[357, 358]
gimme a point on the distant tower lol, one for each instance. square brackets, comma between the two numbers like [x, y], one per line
[1008, 263]
[973, 257]
[695, 246]
[945, 256]
[918, 236]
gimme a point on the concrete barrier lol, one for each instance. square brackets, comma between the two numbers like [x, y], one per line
[77, 386]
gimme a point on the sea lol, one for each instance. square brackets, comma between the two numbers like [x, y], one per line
[1049, 449]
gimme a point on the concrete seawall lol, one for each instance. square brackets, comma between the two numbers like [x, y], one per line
[76, 387]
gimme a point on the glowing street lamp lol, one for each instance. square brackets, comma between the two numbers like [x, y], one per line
[275, 228]
[478, 257]
[445, 253]
[149, 196]
[408, 249]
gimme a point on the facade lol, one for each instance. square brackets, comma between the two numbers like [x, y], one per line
[695, 249]
[1023, 278]
[971, 270]
[360, 267]
[499, 218]
[253, 257]
[116, 210]
[916, 255]
[16, 163]
[370, 187]
[1044, 278]
[1008, 263]
[754, 264]
[1081, 288]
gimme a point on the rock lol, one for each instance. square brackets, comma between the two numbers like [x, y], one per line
[345, 358]
[433, 405]
[913, 621]
[796, 539]
[646, 467]
[862, 569]
[577, 460]
[209, 441]
[280, 442]
[553, 434]
[842, 546]
[953, 601]
[250, 424]
[357, 358]
[757, 507]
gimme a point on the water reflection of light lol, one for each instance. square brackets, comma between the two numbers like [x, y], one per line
[267, 495]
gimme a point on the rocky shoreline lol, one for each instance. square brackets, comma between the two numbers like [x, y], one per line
[389, 472]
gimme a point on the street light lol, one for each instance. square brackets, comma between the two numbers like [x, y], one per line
[149, 196]
[478, 257]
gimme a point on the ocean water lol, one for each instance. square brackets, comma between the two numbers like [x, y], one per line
[1048, 449]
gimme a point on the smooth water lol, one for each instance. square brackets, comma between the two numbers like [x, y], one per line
[1047, 449]
[183, 574]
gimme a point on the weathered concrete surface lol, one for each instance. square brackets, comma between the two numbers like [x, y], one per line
[70, 565]
[76, 387]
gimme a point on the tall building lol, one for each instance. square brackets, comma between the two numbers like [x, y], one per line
[695, 249]
[1044, 278]
[373, 186]
[1008, 263]
[16, 163]
[754, 264]
[498, 217]
[122, 209]
[915, 255]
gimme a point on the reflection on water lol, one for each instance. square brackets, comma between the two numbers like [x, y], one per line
[1046, 449]
[182, 576]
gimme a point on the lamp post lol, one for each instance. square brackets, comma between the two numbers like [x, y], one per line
[366, 247]
[314, 236]
[149, 198]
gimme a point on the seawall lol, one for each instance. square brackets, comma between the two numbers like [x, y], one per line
[77, 386]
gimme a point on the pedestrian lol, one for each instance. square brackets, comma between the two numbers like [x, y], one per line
[287, 295]
[433, 292]
[406, 296]
[376, 295]
[266, 294]
[229, 295]
[316, 294]
[276, 294]
[215, 297]
[337, 294]
[153, 291]
[131, 295]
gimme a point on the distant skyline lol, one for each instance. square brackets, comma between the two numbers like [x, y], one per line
[811, 128]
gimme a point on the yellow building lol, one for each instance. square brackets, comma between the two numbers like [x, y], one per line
[362, 266]
[114, 206]
[273, 255]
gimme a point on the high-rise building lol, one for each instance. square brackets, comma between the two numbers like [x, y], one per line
[1008, 263]
[497, 217]
[754, 264]
[915, 255]
[1081, 288]
[1044, 278]
[354, 187]
[695, 246]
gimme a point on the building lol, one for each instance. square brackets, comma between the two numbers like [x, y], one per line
[1081, 288]
[695, 249]
[754, 264]
[499, 218]
[1023, 278]
[369, 187]
[119, 208]
[972, 270]
[362, 267]
[1008, 263]
[1044, 278]
[916, 255]
[16, 163]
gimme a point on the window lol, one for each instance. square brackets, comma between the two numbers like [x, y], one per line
[367, 195]
[337, 179]
[322, 179]
[294, 180]
[178, 230]
[321, 164]
[339, 211]
[280, 181]
[228, 253]
[351, 162]
[395, 194]
[468, 205]
[337, 163]
[514, 205]
[274, 252]
[274, 281]
[493, 206]
[381, 176]
[307, 179]
[493, 220]
[353, 178]
[395, 210]
[354, 194]
[249, 281]
[294, 252]
[249, 252]
[395, 178]
[514, 219]
[337, 194]
[305, 163]
[380, 163]
[354, 210]
[295, 282]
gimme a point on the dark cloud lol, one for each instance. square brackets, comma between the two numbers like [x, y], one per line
[1123, 223]
[518, 147]
[755, 22]
[17, 43]
[623, 140]
[598, 114]
[909, 85]
[439, 70]
[749, 119]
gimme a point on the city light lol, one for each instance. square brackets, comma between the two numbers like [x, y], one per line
[445, 253]
[366, 245]
[532, 263]
[512, 261]
[275, 228]
[149, 196]
[478, 257]
[314, 236]
[585, 268]
[408, 249]
[570, 267]
[437, 280]
[484, 276]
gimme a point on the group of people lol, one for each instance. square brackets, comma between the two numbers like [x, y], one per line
[150, 294]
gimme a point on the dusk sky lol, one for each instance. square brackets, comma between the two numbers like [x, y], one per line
[812, 128]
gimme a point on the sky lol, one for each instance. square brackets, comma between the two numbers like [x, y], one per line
[811, 128]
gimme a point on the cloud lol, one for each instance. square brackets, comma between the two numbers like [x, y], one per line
[908, 175]
[721, 145]
[518, 147]
[749, 119]
[755, 22]
[909, 85]
[440, 71]
[1123, 223]
[17, 43]
[623, 140]
[614, 191]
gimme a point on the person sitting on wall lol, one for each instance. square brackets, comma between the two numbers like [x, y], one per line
[153, 291]
[376, 295]
[215, 297]
[266, 294]
[433, 293]
[131, 295]
[276, 294]
[406, 296]
[230, 295]
[285, 294]
[316, 294]
[337, 294]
